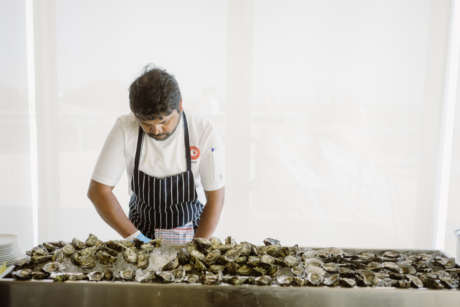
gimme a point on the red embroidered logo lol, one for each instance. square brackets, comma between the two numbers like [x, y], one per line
[194, 152]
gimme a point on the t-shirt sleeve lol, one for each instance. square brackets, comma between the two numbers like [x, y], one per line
[212, 164]
[111, 162]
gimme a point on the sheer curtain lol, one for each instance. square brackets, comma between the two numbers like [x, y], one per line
[330, 112]
[16, 214]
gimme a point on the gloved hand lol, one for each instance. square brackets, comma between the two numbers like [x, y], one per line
[143, 238]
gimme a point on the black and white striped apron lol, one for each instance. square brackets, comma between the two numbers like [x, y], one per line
[164, 203]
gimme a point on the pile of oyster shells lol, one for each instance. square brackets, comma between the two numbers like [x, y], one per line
[214, 262]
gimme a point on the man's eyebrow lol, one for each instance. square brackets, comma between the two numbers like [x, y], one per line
[163, 121]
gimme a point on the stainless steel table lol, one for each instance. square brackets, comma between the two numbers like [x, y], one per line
[84, 293]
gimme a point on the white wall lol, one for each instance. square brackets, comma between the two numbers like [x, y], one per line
[330, 112]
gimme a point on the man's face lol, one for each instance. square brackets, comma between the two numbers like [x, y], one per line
[162, 127]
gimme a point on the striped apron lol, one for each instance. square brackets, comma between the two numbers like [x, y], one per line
[168, 207]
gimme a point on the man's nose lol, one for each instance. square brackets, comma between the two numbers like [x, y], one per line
[156, 130]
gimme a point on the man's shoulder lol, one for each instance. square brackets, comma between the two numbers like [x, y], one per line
[198, 121]
[128, 121]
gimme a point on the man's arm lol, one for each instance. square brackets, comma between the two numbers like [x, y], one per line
[211, 213]
[109, 208]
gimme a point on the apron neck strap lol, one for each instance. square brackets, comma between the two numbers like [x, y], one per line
[186, 140]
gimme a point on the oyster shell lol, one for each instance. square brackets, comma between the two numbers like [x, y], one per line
[165, 276]
[179, 274]
[244, 270]
[309, 254]
[87, 262]
[270, 241]
[415, 281]
[212, 257]
[449, 282]
[230, 241]
[298, 271]
[236, 281]
[231, 268]
[253, 260]
[348, 282]
[240, 260]
[171, 265]
[260, 270]
[105, 258]
[183, 256]
[267, 260]
[68, 250]
[332, 281]
[77, 276]
[374, 266]
[272, 250]
[108, 274]
[115, 245]
[272, 270]
[196, 255]
[331, 267]
[313, 262]
[290, 261]
[225, 248]
[368, 278]
[95, 276]
[284, 280]
[199, 266]
[392, 254]
[22, 274]
[192, 278]
[210, 278]
[77, 244]
[130, 255]
[315, 278]
[52, 267]
[40, 275]
[58, 256]
[91, 241]
[59, 277]
[157, 242]
[299, 281]
[127, 275]
[23, 262]
[215, 242]
[234, 253]
[347, 273]
[246, 249]
[216, 268]
[50, 247]
[188, 267]
[143, 260]
[391, 266]
[147, 247]
[405, 268]
[148, 277]
[264, 280]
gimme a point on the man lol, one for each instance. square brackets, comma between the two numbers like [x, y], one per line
[171, 156]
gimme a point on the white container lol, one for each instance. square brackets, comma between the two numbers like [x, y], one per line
[457, 254]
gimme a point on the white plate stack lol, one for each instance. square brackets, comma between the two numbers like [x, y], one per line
[9, 249]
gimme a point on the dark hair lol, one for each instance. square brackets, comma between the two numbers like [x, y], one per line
[154, 93]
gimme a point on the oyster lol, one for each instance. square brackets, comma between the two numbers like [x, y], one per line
[284, 280]
[225, 248]
[244, 270]
[215, 242]
[199, 266]
[267, 260]
[143, 260]
[38, 259]
[415, 281]
[348, 282]
[148, 277]
[157, 242]
[315, 278]
[231, 268]
[77, 244]
[331, 267]
[368, 278]
[179, 274]
[391, 266]
[50, 247]
[147, 247]
[215, 268]
[260, 270]
[230, 241]
[240, 260]
[270, 241]
[109, 251]
[298, 271]
[253, 260]
[374, 266]
[130, 255]
[313, 262]
[171, 265]
[299, 281]
[37, 274]
[87, 262]
[59, 277]
[290, 261]
[192, 278]
[309, 254]
[77, 276]
[188, 267]
[234, 253]
[165, 276]
[347, 273]
[272, 250]
[212, 257]
[52, 267]
[92, 240]
[405, 268]
[236, 281]
[449, 281]
[23, 262]
[184, 256]
[115, 245]
[246, 249]
[196, 255]
[263, 280]
[392, 254]
[23, 274]
[127, 275]
[272, 270]
[58, 256]
[68, 250]
[332, 281]
[396, 276]
[202, 242]
[105, 258]
[108, 274]
[95, 276]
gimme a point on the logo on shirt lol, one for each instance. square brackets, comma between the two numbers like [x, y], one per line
[194, 152]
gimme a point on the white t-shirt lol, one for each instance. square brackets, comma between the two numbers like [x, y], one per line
[163, 158]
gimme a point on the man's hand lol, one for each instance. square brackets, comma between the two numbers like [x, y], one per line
[211, 213]
[109, 208]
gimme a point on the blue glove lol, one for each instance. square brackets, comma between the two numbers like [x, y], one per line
[143, 238]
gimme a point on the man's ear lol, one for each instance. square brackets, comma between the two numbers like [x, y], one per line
[180, 106]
